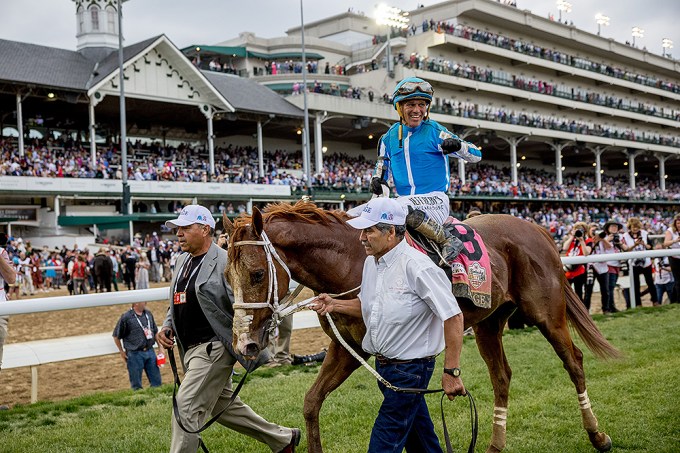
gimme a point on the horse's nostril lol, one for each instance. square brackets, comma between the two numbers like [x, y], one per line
[252, 350]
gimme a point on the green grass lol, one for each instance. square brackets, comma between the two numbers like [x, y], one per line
[636, 400]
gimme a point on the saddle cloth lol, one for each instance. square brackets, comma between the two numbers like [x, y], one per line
[471, 269]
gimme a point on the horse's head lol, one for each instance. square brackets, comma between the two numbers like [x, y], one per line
[259, 280]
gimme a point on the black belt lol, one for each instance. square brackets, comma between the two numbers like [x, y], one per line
[142, 349]
[387, 361]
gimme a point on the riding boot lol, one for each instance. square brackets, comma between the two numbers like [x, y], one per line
[450, 245]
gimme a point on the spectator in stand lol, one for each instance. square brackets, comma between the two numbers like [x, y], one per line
[577, 243]
[663, 276]
[672, 241]
[137, 329]
[634, 240]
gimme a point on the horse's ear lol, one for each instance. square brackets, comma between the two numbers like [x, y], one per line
[228, 225]
[258, 224]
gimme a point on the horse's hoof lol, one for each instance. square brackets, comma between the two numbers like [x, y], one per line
[601, 441]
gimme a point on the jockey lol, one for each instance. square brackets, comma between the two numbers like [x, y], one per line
[416, 152]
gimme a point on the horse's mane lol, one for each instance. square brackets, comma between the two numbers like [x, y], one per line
[302, 211]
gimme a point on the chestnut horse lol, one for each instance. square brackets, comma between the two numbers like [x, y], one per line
[323, 253]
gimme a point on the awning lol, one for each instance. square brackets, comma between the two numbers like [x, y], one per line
[285, 56]
[237, 51]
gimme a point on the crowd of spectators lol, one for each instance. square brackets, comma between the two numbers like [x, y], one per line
[81, 271]
[341, 172]
[538, 51]
[497, 77]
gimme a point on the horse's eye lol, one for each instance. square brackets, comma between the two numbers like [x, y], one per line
[256, 277]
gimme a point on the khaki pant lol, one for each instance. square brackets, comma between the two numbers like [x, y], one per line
[279, 345]
[205, 391]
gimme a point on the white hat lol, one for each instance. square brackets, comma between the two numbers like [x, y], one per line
[192, 214]
[379, 210]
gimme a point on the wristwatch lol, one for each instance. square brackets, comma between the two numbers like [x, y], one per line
[455, 372]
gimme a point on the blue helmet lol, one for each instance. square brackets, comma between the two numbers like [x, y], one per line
[412, 88]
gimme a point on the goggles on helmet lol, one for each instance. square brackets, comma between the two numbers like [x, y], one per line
[414, 87]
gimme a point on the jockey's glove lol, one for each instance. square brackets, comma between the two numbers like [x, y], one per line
[376, 185]
[451, 145]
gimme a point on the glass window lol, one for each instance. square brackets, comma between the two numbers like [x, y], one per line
[94, 15]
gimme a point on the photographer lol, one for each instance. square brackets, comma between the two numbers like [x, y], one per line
[577, 243]
[608, 241]
[590, 269]
[636, 239]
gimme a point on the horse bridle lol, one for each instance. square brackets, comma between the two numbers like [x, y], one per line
[284, 308]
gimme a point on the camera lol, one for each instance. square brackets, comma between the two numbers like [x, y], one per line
[617, 238]
[640, 262]
[578, 233]
[602, 234]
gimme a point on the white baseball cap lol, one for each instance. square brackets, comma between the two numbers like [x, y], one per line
[191, 214]
[379, 210]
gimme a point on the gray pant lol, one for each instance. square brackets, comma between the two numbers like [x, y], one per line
[3, 335]
[205, 391]
[279, 345]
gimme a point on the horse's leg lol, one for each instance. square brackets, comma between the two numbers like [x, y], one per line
[554, 328]
[489, 337]
[336, 368]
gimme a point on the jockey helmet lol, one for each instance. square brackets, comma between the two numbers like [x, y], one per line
[412, 88]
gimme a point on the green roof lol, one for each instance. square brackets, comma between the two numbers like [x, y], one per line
[285, 56]
[222, 50]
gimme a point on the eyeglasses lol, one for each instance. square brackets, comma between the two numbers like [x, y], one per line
[412, 87]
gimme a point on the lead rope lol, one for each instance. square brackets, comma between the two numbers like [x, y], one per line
[474, 422]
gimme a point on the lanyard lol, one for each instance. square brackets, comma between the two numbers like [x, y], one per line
[148, 323]
[182, 271]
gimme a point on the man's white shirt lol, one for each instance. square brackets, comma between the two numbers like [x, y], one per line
[405, 299]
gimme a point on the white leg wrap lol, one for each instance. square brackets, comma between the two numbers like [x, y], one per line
[500, 416]
[584, 401]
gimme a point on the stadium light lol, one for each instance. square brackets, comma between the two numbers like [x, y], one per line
[637, 32]
[563, 5]
[666, 43]
[393, 18]
[601, 19]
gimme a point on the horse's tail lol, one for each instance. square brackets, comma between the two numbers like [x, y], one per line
[580, 320]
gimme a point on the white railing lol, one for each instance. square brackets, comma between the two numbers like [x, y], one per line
[35, 353]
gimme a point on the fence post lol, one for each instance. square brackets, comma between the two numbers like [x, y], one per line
[34, 384]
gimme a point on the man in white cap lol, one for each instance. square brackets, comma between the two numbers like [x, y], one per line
[200, 319]
[410, 315]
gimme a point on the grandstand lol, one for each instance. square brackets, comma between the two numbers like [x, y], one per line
[561, 114]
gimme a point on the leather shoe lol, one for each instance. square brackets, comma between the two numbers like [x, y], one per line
[294, 441]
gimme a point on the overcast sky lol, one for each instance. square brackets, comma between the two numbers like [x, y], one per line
[53, 22]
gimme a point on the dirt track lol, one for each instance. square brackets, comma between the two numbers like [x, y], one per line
[65, 380]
